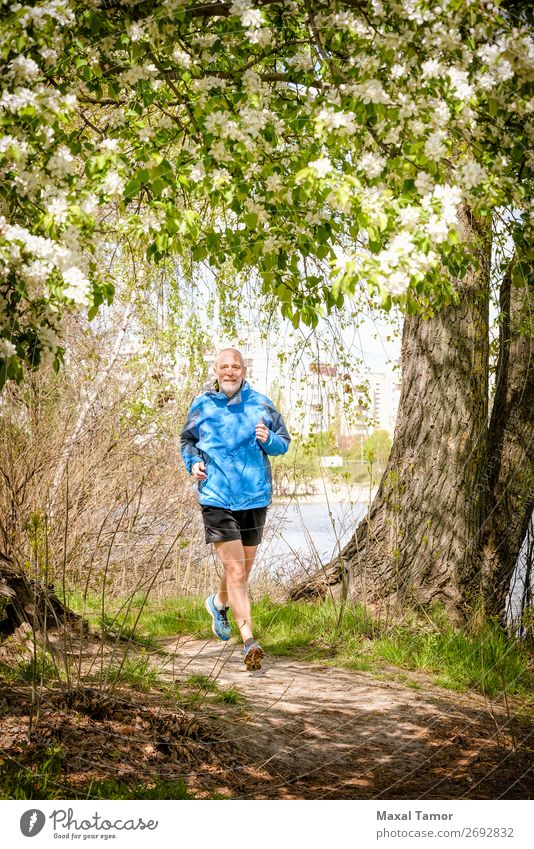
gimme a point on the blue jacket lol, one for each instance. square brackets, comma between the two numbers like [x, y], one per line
[221, 432]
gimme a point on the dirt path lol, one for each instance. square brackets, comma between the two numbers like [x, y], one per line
[310, 732]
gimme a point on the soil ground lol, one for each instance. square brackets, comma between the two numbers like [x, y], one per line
[301, 731]
[315, 732]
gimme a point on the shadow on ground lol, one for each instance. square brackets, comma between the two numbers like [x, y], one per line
[313, 732]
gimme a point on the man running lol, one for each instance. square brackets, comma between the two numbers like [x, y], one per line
[229, 432]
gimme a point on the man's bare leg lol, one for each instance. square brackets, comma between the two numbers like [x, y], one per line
[250, 553]
[237, 561]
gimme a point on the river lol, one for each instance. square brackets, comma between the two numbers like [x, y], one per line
[301, 535]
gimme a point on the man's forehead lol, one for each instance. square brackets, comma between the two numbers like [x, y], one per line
[227, 358]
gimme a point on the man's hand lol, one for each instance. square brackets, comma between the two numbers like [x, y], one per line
[198, 470]
[262, 433]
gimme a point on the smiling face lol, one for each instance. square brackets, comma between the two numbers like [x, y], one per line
[230, 371]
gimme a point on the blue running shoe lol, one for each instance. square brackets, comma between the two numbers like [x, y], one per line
[219, 619]
[252, 656]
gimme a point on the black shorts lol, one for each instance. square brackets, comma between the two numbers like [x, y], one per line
[221, 525]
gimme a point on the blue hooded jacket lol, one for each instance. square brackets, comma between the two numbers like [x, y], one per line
[221, 432]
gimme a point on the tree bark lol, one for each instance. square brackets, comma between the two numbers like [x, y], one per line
[417, 544]
[23, 601]
[510, 471]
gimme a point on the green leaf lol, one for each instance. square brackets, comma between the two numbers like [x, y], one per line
[199, 252]
[382, 221]
[157, 186]
[521, 273]
[132, 188]
[251, 220]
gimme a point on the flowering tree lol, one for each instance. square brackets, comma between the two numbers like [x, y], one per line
[326, 145]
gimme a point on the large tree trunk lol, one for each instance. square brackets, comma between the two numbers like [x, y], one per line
[418, 542]
[510, 472]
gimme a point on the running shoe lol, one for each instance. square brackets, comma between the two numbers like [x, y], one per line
[219, 619]
[252, 656]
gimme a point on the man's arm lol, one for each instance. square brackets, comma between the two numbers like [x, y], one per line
[189, 437]
[278, 440]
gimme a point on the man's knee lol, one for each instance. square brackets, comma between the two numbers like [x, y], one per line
[236, 571]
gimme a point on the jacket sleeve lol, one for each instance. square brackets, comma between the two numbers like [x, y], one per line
[189, 436]
[279, 439]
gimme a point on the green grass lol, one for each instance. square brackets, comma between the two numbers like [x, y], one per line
[230, 696]
[36, 669]
[137, 672]
[172, 617]
[486, 660]
[43, 780]
[203, 682]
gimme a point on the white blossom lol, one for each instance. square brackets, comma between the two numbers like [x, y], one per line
[208, 83]
[78, 286]
[24, 68]
[89, 204]
[370, 91]
[372, 165]
[274, 183]
[7, 142]
[262, 36]
[472, 174]
[49, 55]
[197, 173]
[255, 120]
[57, 207]
[181, 57]
[145, 134]
[109, 144]
[271, 244]
[424, 183]
[138, 72]
[489, 53]
[49, 338]
[255, 207]
[113, 184]
[7, 349]
[460, 83]
[434, 146]
[18, 99]
[441, 113]
[321, 166]
[301, 61]
[61, 163]
[398, 71]
[397, 283]
[409, 215]
[36, 272]
[252, 81]
[219, 152]
[503, 70]
[136, 32]
[215, 120]
[250, 16]
[431, 69]
[221, 177]
[334, 119]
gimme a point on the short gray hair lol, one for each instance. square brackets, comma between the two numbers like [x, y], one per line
[224, 350]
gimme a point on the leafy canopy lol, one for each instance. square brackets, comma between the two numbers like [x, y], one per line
[324, 145]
